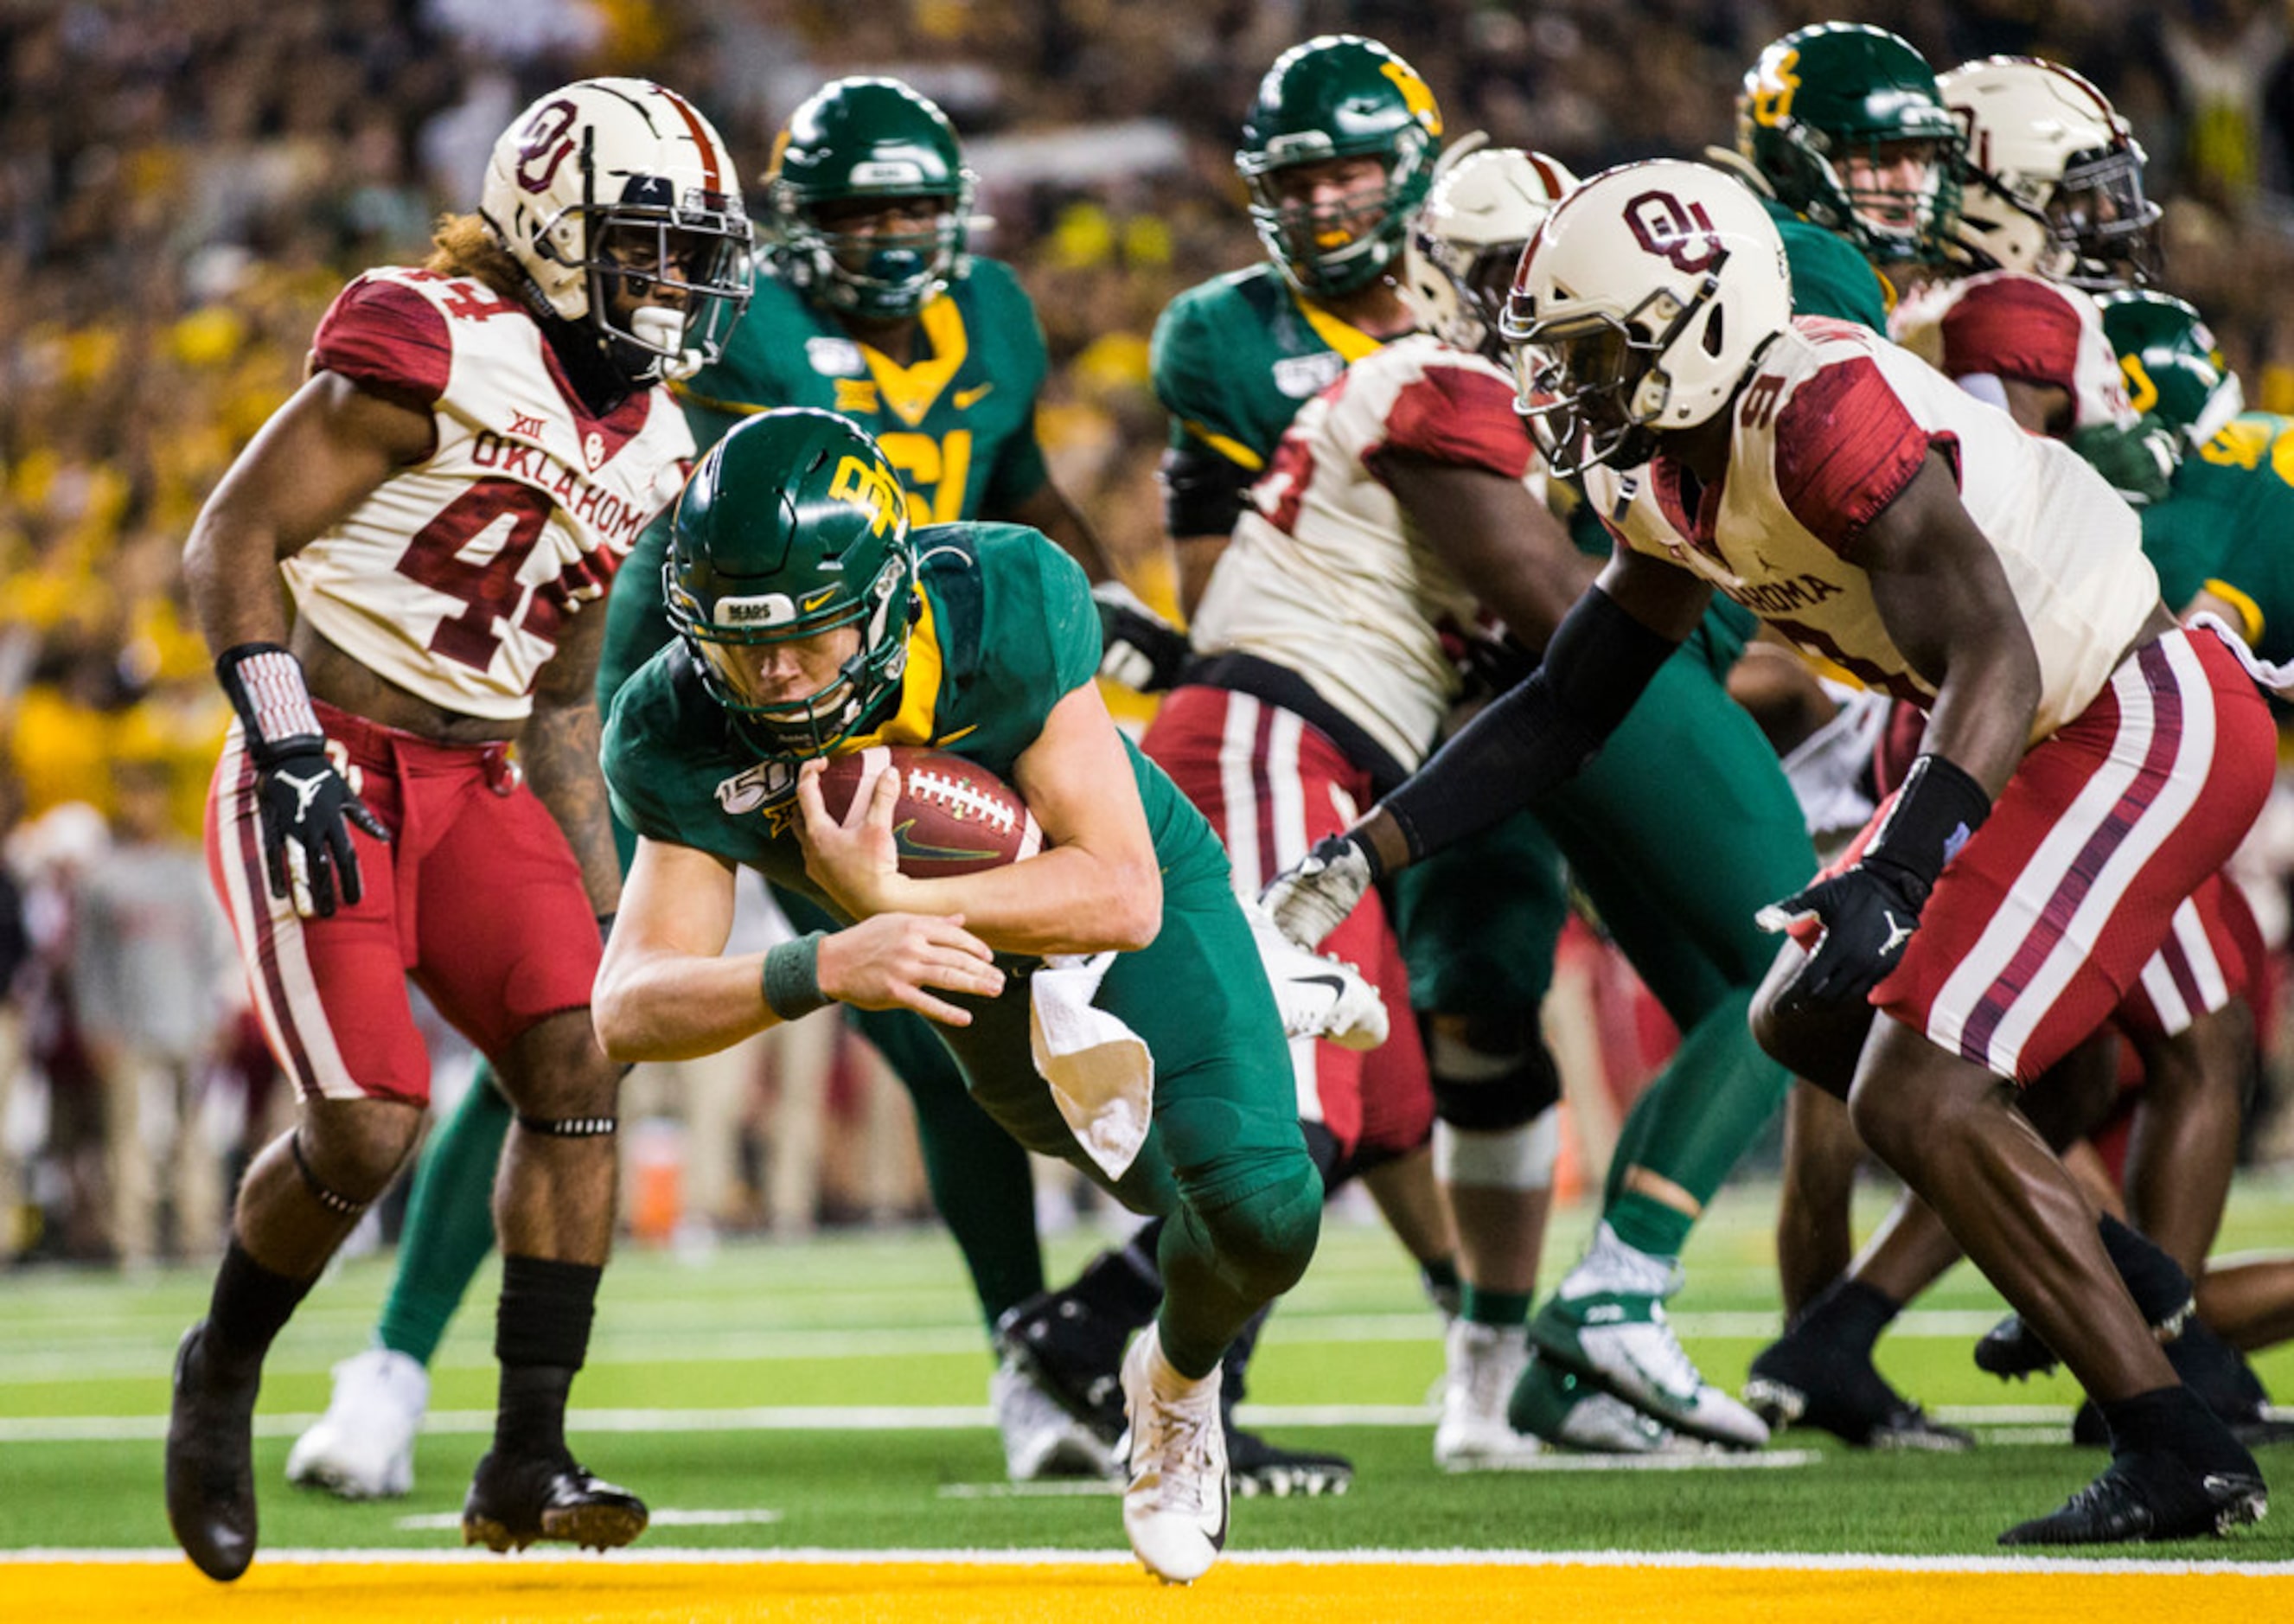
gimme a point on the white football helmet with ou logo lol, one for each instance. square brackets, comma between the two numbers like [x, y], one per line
[2057, 181]
[1466, 242]
[615, 186]
[1641, 306]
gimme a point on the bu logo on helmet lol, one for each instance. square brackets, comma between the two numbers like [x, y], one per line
[867, 486]
[545, 145]
[1681, 233]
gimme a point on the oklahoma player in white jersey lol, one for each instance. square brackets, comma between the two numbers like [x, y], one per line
[2087, 763]
[477, 445]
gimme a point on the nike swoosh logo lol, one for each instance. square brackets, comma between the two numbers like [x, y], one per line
[818, 598]
[966, 398]
[1336, 984]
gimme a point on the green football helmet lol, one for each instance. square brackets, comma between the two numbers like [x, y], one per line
[1339, 96]
[1837, 93]
[859, 141]
[793, 524]
[2176, 375]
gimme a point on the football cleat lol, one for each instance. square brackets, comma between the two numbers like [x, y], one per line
[1556, 1406]
[1175, 1506]
[1258, 1466]
[1041, 1440]
[1073, 1352]
[2149, 1497]
[1799, 1379]
[210, 1471]
[363, 1448]
[1607, 1324]
[1472, 1434]
[2013, 1349]
[515, 1501]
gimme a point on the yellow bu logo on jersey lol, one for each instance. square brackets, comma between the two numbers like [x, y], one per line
[869, 486]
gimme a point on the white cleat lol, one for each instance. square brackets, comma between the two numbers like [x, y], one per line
[1174, 1508]
[1473, 1434]
[363, 1448]
[1319, 996]
[1607, 1324]
[1041, 1440]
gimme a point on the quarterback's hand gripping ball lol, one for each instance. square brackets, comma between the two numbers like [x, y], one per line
[953, 816]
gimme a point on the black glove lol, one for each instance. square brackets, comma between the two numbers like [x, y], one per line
[1870, 909]
[1144, 650]
[306, 804]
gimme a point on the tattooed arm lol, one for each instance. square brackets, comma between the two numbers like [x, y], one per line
[559, 750]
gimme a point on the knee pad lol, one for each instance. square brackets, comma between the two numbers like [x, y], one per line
[1515, 1158]
[1484, 1089]
[1264, 1239]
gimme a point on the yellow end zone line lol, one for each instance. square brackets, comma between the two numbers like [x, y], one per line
[1070, 1588]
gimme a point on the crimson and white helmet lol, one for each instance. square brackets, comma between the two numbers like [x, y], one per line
[1641, 306]
[616, 180]
[2057, 181]
[1459, 261]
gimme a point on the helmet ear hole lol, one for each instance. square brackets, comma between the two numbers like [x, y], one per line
[1715, 337]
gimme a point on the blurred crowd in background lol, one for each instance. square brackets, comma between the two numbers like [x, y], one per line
[186, 184]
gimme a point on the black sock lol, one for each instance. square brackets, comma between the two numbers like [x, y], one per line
[2161, 1289]
[2173, 1421]
[1440, 1281]
[1848, 1314]
[249, 1306]
[1237, 1361]
[542, 1336]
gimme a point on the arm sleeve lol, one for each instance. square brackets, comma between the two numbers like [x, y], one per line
[1846, 447]
[389, 340]
[1536, 735]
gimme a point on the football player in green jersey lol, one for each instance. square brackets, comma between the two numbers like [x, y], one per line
[866, 302]
[813, 624]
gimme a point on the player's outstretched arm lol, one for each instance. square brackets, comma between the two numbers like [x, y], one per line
[1534, 737]
[665, 989]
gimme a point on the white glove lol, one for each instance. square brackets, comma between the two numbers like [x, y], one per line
[1143, 650]
[1312, 897]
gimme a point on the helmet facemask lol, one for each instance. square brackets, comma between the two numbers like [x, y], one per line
[1346, 243]
[700, 256]
[1889, 224]
[876, 274]
[1593, 385]
[2099, 215]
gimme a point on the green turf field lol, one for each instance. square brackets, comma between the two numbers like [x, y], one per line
[832, 1394]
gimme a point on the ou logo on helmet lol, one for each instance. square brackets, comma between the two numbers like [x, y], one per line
[544, 144]
[1670, 229]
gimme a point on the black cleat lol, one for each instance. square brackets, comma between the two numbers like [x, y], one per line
[1799, 1381]
[514, 1502]
[2013, 1349]
[1255, 1466]
[211, 1461]
[1074, 1354]
[2149, 1497]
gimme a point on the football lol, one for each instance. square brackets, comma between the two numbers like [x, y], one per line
[954, 816]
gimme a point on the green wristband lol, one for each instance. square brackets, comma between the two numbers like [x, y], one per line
[793, 977]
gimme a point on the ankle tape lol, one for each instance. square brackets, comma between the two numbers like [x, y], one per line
[332, 1199]
[570, 1127]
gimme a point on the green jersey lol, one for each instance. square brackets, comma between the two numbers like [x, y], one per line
[2224, 529]
[1829, 277]
[1006, 629]
[958, 422]
[1232, 361]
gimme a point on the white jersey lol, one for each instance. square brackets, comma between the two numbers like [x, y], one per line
[1830, 427]
[2010, 324]
[452, 578]
[1325, 577]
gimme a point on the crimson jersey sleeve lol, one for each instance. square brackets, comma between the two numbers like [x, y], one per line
[389, 340]
[2016, 327]
[1846, 447]
[1457, 415]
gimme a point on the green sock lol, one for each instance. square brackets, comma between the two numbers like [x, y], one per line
[450, 1221]
[1503, 1309]
[1650, 1226]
